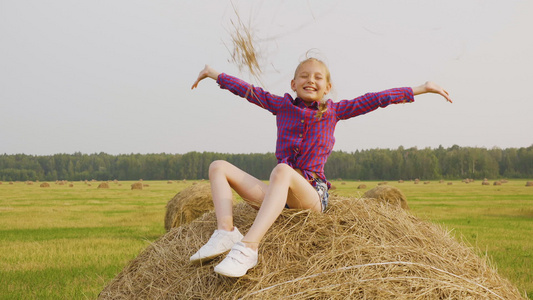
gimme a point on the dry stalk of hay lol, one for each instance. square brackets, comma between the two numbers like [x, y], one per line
[358, 249]
[244, 53]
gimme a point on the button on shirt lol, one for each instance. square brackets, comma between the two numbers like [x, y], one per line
[304, 141]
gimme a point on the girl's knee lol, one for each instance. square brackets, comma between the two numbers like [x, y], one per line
[218, 166]
[280, 171]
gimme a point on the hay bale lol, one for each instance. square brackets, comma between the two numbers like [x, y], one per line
[387, 194]
[361, 186]
[529, 183]
[44, 184]
[170, 182]
[103, 185]
[497, 183]
[359, 249]
[427, 182]
[71, 185]
[485, 182]
[400, 181]
[450, 183]
[188, 205]
[137, 186]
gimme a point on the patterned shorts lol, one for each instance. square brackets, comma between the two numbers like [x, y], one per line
[321, 188]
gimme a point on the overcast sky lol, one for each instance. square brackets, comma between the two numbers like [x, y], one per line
[115, 76]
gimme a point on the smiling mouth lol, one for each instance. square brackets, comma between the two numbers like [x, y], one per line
[310, 89]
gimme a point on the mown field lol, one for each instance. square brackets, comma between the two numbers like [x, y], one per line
[67, 242]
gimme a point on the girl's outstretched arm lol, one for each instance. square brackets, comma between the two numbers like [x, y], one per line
[431, 87]
[206, 72]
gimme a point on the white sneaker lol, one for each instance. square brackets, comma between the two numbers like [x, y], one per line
[239, 260]
[220, 242]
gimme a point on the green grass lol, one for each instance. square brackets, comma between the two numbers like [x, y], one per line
[68, 242]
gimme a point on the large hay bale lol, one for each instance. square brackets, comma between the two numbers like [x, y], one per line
[103, 185]
[529, 183]
[361, 186]
[388, 194]
[358, 249]
[485, 182]
[137, 186]
[44, 184]
[188, 205]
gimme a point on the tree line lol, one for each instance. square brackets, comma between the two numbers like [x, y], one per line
[374, 164]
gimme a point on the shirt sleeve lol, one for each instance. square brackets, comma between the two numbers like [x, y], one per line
[346, 109]
[255, 95]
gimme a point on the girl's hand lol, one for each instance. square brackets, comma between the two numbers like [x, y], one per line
[431, 87]
[206, 72]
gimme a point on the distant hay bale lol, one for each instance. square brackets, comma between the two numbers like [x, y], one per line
[71, 185]
[497, 183]
[361, 186]
[137, 186]
[332, 187]
[529, 183]
[400, 181]
[29, 182]
[358, 249]
[11, 182]
[427, 182]
[450, 183]
[343, 183]
[44, 184]
[441, 181]
[188, 205]
[146, 185]
[382, 183]
[387, 194]
[417, 181]
[504, 181]
[103, 185]
[485, 182]
[170, 182]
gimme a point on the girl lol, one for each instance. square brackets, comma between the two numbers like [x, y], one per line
[304, 141]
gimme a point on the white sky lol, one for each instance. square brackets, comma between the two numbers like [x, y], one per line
[115, 76]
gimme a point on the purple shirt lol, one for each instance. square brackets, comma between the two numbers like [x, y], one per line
[305, 142]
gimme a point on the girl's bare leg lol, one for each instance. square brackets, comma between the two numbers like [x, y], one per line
[286, 187]
[225, 176]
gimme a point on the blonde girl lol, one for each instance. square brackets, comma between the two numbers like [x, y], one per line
[305, 127]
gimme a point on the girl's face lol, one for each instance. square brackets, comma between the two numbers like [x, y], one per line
[311, 81]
